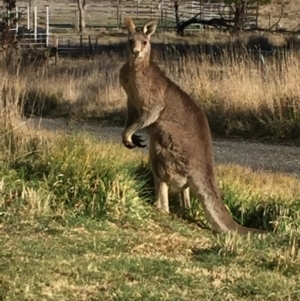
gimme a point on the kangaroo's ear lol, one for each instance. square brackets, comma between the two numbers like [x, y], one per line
[150, 27]
[129, 25]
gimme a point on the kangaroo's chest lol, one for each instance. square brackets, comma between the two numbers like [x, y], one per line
[143, 94]
[145, 89]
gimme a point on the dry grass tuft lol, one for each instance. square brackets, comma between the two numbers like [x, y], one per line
[264, 184]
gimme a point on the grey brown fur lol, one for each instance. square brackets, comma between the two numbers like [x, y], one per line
[181, 153]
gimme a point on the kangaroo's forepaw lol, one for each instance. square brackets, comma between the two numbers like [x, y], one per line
[138, 141]
[127, 141]
[129, 144]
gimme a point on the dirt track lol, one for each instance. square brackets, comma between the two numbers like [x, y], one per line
[255, 155]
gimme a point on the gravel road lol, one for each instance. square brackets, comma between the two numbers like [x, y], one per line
[275, 158]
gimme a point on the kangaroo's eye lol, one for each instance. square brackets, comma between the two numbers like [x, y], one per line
[144, 42]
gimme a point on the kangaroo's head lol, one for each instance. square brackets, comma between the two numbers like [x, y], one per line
[139, 40]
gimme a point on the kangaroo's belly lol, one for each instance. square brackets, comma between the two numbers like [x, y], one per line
[168, 162]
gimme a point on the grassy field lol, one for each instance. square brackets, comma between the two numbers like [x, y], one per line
[77, 223]
[76, 214]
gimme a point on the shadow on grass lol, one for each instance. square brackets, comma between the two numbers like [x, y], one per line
[280, 124]
[211, 257]
[44, 105]
[260, 218]
[114, 118]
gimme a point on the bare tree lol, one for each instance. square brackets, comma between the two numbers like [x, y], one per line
[234, 25]
[8, 37]
[238, 8]
[81, 9]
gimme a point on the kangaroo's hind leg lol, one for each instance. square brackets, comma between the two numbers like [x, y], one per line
[161, 194]
[185, 198]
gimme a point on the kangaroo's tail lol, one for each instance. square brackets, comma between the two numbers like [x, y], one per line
[207, 192]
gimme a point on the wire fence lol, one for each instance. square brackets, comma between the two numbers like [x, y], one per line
[54, 24]
[62, 17]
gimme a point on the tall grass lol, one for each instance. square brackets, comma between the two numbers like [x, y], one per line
[43, 174]
[241, 95]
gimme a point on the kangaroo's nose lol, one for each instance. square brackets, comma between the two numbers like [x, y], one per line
[135, 52]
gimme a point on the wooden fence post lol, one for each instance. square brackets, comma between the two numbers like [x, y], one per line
[120, 15]
[81, 44]
[92, 52]
[118, 8]
[56, 49]
[96, 44]
[257, 12]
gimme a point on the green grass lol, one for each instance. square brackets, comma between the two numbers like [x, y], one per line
[88, 260]
[77, 223]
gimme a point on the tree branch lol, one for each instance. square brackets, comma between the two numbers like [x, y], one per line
[279, 19]
[231, 25]
[215, 22]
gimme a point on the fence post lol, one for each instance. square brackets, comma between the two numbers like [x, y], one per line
[35, 24]
[96, 44]
[28, 17]
[160, 8]
[256, 17]
[17, 19]
[118, 15]
[201, 9]
[56, 41]
[8, 12]
[91, 48]
[56, 49]
[47, 25]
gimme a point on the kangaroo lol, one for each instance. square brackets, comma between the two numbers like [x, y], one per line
[180, 150]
